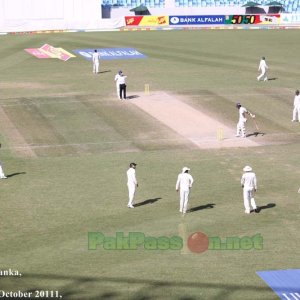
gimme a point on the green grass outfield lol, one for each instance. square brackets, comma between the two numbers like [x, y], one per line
[83, 139]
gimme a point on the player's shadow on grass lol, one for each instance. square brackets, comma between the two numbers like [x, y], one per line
[106, 71]
[256, 134]
[273, 78]
[132, 97]
[145, 202]
[201, 207]
[269, 205]
[260, 208]
[15, 174]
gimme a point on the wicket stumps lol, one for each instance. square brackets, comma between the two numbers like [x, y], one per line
[220, 134]
[147, 89]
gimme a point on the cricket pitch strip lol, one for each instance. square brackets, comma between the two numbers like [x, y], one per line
[192, 124]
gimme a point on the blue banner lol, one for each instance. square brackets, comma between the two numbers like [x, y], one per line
[196, 20]
[111, 53]
[285, 283]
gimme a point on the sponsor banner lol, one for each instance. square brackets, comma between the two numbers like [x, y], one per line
[37, 53]
[253, 19]
[111, 53]
[242, 19]
[290, 19]
[147, 21]
[59, 53]
[285, 283]
[196, 20]
[269, 19]
[48, 51]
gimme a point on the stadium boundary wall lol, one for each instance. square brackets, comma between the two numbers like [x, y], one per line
[86, 15]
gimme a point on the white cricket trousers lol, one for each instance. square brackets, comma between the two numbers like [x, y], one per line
[241, 129]
[131, 192]
[249, 197]
[118, 90]
[96, 67]
[1, 172]
[296, 112]
[184, 199]
[263, 75]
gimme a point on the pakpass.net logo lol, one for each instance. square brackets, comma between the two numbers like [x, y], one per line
[134, 241]
[197, 242]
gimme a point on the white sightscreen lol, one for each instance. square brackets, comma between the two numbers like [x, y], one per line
[34, 15]
[33, 9]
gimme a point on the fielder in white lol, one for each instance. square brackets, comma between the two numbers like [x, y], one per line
[96, 62]
[263, 68]
[296, 110]
[117, 78]
[2, 176]
[132, 184]
[249, 185]
[184, 184]
[240, 127]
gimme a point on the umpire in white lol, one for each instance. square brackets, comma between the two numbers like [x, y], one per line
[184, 184]
[122, 83]
[249, 185]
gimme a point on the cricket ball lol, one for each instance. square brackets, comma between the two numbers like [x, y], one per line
[198, 242]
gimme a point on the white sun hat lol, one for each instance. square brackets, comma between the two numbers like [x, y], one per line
[247, 169]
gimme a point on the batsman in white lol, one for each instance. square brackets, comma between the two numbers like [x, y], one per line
[132, 184]
[296, 110]
[263, 68]
[240, 127]
[249, 185]
[96, 62]
[184, 184]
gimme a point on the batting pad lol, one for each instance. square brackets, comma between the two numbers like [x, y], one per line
[285, 283]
